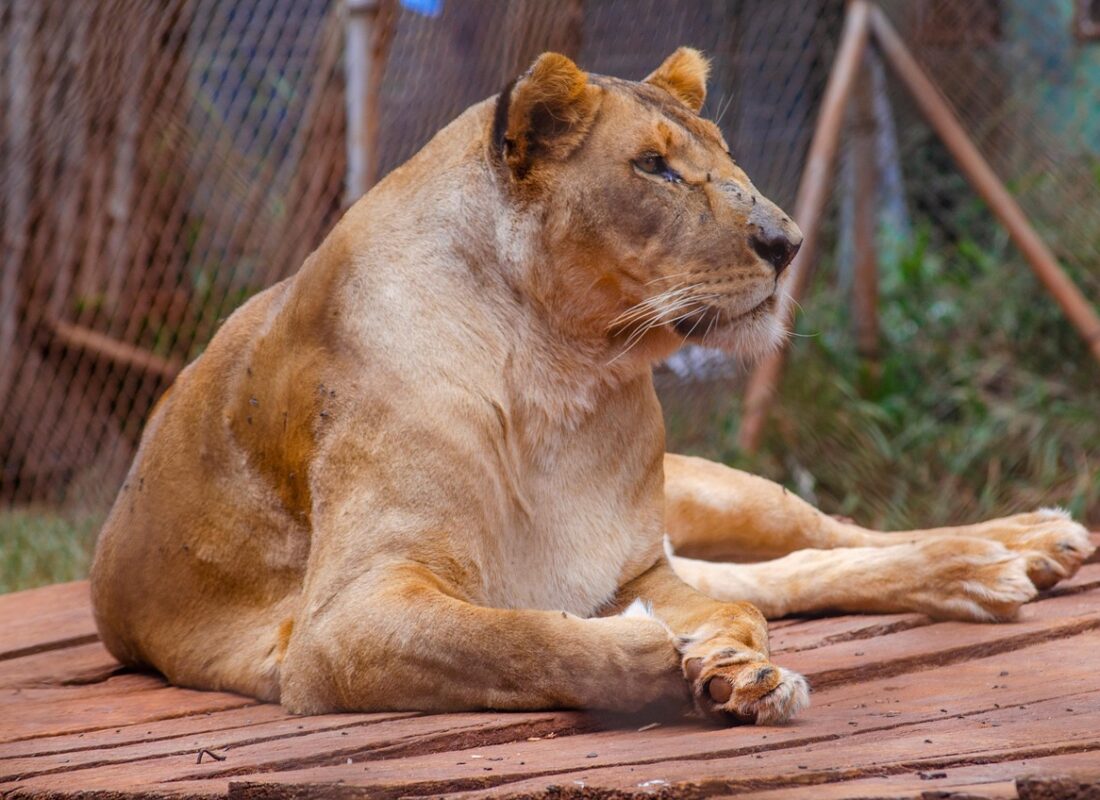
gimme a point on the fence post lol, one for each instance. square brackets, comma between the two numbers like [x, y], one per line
[19, 77]
[864, 223]
[367, 43]
[813, 193]
[973, 165]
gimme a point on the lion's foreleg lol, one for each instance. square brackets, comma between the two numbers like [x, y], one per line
[1052, 543]
[402, 640]
[945, 577]
[724, 647]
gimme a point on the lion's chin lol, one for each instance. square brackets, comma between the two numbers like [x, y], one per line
[750, 336]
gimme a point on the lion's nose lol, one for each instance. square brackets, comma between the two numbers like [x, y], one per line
[776, 247]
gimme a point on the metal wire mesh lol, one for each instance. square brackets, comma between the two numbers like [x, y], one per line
[161, 162]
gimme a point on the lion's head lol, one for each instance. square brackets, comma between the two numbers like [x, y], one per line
[656, 235]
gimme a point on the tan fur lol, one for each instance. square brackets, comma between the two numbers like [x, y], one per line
[684, 75]
[810, 562]
[427, 471]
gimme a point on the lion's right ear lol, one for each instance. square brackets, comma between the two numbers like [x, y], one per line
[684, 76]
[545, 113]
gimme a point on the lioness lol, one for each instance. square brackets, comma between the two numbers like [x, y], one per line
[428, 471]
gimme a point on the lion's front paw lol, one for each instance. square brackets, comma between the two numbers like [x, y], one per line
[737, 685]
[1054, 545]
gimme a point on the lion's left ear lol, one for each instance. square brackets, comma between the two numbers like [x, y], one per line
[683, 75]
[544, 113]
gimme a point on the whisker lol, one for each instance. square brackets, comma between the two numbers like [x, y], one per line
[651, 304]
[723, 108]
[710, 326]
[661, 317]
[696, 325]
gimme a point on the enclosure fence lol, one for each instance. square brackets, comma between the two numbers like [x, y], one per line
[161, 162]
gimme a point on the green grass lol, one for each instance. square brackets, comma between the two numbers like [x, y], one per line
[40, 546]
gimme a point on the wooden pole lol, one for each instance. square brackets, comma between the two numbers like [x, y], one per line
[986, 183]
[865, 272]
[369, 33]
[18, 76]
[103, 346]
[813, 192]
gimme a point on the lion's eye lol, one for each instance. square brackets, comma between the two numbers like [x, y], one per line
[653, 164]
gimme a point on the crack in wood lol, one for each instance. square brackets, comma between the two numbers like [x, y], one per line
[968, 652]
[211, 732]
[869, 632]
[820, 777]
[191, 747]
[45, 647]
[245, 703]
[447, 742]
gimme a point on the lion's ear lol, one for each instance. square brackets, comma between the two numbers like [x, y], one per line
[545, 113]
[683, 75]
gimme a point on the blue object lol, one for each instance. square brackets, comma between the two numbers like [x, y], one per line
[429, 8]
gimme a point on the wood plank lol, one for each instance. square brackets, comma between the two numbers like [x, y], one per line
[1010, 734]
[343, 729]
[890, 676]
[992, 780]
[795, 634]
[945, 643]
[119, 735]
[46, 618]
[834, 630]
[119, 700]
[1007, 736]
[145, 768]
[913, 706]
[70, 666]
[800, 634]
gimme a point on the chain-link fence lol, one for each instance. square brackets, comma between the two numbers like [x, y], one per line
[161, 162]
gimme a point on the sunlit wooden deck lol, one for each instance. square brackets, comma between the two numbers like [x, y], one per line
[902, 708]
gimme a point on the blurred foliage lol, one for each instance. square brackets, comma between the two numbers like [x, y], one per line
[984, 400]
[41, 546]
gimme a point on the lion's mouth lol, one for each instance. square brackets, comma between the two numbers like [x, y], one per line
[708, 318]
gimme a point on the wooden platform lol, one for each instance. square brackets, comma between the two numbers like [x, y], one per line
[902, 708]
